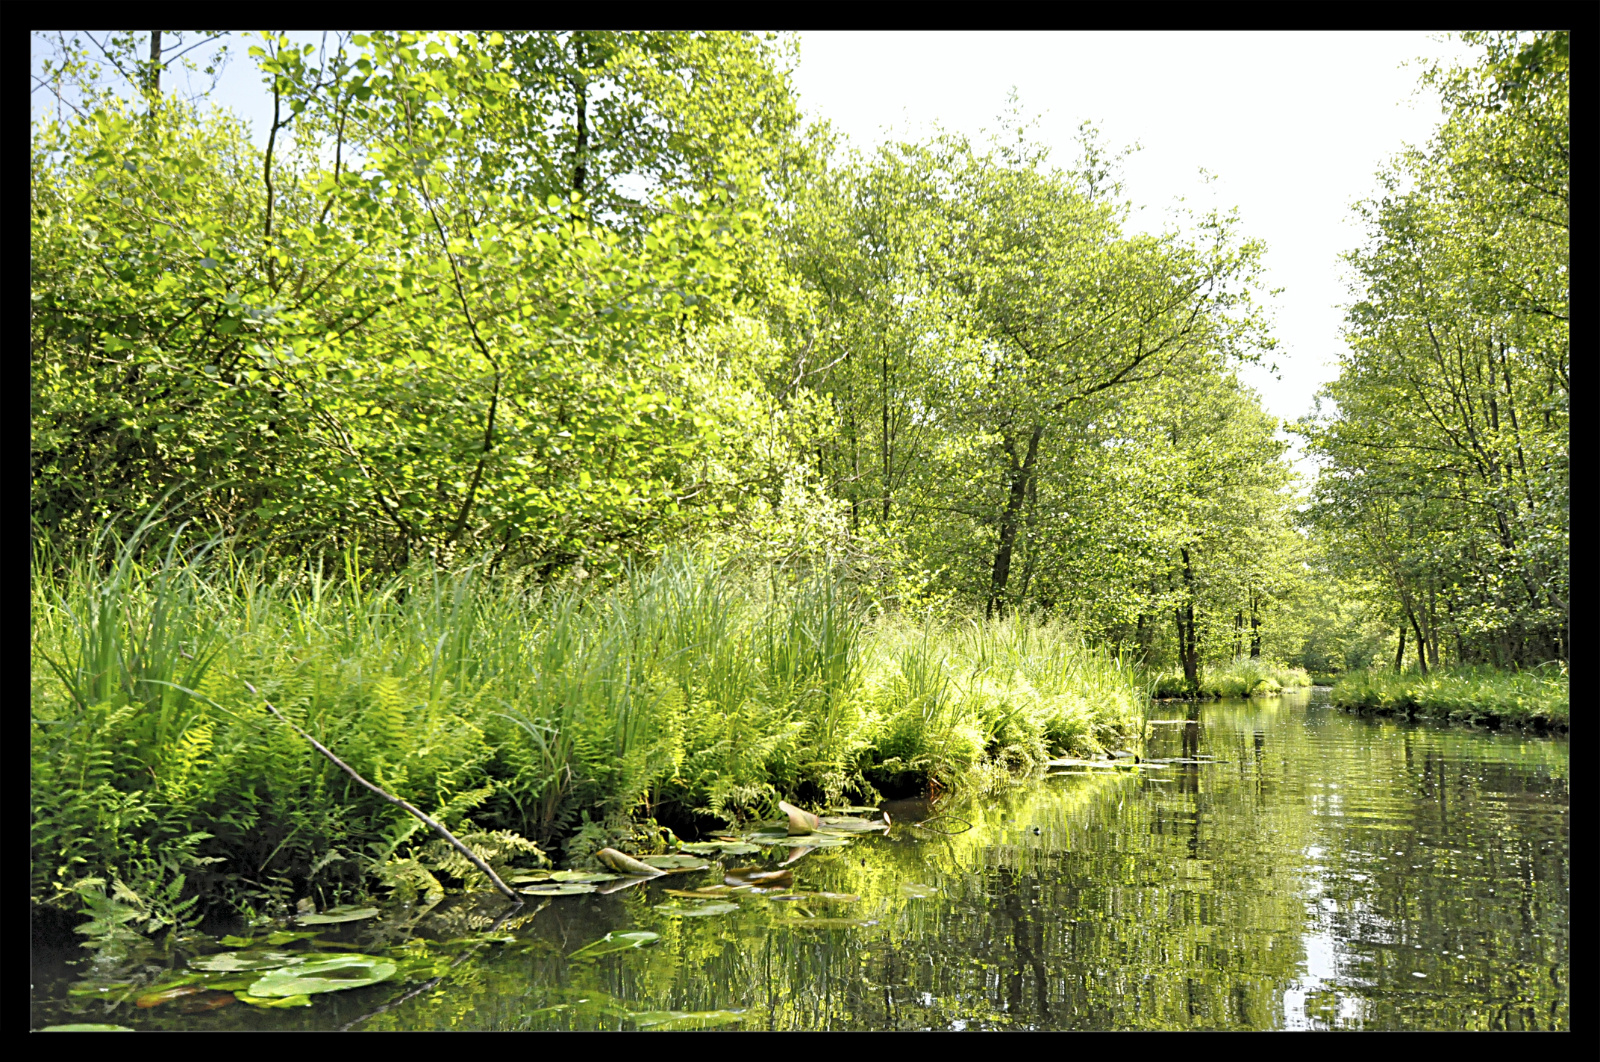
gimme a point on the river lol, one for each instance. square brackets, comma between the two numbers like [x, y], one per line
[1313, 870]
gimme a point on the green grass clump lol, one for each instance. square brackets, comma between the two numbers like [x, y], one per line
[529, 719]
[1487, 695]
[1242, 677]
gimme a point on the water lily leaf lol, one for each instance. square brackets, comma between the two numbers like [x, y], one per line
[758, 876]
[649, 1018]
[166, 995]
[618, 886]
[847, 824]
[581, 877]
[837, 897]
[701, 894]
[811, 840]
[208, 1000]
[918, 892]
[800, 821]
[342, 913]
[238, 961]
[559, 888]
[699, 911]
[611, 942]
[724, 847]
[285, 936]
[231, 941]
[301, 1000]
[626, 863]
[326, 973]
[86, 1026]
[797, 854]
[526, 878]
[1073, 761]
[676, 862]
[852, 809]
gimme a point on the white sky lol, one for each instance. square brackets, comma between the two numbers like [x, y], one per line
[1292, 125]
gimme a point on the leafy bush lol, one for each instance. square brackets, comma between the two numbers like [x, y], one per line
[1469, 694]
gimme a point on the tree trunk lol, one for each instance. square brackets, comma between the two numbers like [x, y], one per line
[1017, 492]
[1400, 653]
[1188, 646]
[1255, 627]
[154, 78]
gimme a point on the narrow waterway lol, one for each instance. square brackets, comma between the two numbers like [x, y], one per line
[1294, 867]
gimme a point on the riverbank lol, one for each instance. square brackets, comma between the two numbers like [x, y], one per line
[1473, 695]
[538, 724]
[1244, 677]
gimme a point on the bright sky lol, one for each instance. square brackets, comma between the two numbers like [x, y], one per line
[1292, 125]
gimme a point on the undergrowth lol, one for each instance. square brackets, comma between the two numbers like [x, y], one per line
[534, 721]
[1486, 695]
[1241, 677]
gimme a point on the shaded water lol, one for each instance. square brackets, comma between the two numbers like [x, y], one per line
[1330, 872]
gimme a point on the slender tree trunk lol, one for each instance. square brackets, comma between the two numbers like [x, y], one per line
[1400, 653]
[1017, 476]
[1255, 627]
[1238, 634]
[1188, 644]
[580, 88]
[154, 83]
[888, 451]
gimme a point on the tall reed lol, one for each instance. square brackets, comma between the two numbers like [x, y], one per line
[524, 716]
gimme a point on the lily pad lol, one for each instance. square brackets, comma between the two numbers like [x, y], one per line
[918, 892]
[702, 894]
[86, 1026]
[205, 1001]
[239, 961]
[836, 897]
[806, 840]
[848, 824]
[231, 941]
[326, 973]
[723, 847]
[800, 820]
[166, 995]
[758, 876]
[618, 886]
[285, 936]
[676, 862]
[582, 877]
[852, 809]
[528, 877]
[611, 942]
[797, 854]
[699, 911]
[302, 1000]
[626, 864]
[650, 1018]
[559, 888]
[342, 913]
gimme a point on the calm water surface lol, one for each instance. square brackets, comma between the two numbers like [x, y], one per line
[1329, 871]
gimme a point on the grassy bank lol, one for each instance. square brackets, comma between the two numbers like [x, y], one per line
[537, 723]
[1243, 677]
[1475, 695]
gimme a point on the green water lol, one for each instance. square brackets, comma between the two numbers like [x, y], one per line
[1331, 872]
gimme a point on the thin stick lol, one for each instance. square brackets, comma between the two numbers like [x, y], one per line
[510, 894]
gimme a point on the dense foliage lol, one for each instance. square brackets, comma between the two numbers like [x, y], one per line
[1445, 479]
[587, 443]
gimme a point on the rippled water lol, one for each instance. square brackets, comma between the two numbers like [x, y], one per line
[1329, 871]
